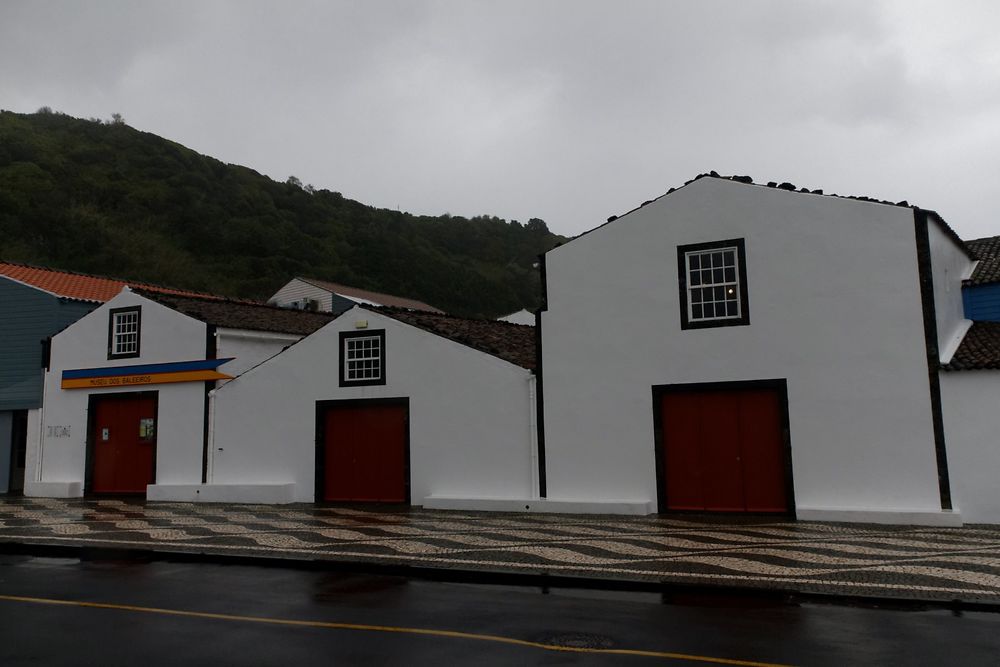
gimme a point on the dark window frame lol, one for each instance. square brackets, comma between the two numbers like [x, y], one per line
[138, 332]
[347, 335]
[682, 280]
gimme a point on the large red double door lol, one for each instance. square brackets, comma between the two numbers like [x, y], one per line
[362, 452]
[122, 442]
[723, 450]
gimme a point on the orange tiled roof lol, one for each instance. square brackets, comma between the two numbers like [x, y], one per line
[79, 285]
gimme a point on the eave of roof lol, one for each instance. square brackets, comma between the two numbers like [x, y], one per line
[513, 343]
[979, 349]
[987, 251]
[747, 180]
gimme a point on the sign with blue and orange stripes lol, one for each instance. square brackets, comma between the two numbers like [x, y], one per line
[126, 376]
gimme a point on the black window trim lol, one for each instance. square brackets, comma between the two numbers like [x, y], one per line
[138, 332]
[365, 333]
[682, 279]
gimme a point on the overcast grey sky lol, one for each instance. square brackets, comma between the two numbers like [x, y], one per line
[570, 111]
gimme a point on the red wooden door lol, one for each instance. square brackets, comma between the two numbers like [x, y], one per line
[762, 444]
[365, 453]
[724, 451]
[124, 444]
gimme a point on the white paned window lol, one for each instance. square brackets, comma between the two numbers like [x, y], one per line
[713, 283]
[124, 335]
[363, 358]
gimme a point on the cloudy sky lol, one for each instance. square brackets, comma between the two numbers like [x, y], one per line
[570, 111]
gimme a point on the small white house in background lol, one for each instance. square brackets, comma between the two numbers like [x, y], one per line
[385, 405]
[520, 317]
[126, 390]
[324, 296]
[733, 347]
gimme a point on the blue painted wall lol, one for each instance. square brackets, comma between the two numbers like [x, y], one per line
[28, 316]
[982, 302]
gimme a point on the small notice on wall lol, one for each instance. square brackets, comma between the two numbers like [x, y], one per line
[147, 429]
[57, 432]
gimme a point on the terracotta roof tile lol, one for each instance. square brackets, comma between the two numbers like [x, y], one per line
[979, 350]
[511, 342]
[242, 314]
[80, 286]
[987, 251]
[367, 295]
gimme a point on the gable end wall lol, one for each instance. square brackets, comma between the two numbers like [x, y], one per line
[470, 414]
[835, 306]
[166, 336]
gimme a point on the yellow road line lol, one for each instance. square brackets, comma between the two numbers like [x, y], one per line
[451, 634]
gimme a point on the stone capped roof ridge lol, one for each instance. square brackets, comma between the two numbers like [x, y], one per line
[81, 286]
[369, 295]
[987, 251]
[790, 187]
[248, 315]
[514, 343]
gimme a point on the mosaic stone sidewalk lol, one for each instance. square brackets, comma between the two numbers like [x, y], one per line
[840, 559]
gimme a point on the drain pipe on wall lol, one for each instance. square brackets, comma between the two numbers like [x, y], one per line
[210, 463]
[37, 433]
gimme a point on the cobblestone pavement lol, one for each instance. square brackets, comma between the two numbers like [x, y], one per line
[841, 559]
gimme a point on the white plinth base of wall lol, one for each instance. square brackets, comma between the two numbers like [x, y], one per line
[639, 507]
[273, 494]
[900, 517]
[53, 489]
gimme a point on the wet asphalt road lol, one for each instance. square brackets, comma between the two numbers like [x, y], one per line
[168, 613]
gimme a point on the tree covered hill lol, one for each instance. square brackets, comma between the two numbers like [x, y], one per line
[104, 198]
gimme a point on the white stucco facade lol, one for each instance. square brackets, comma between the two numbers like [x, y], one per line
[949, 267]
[834, 309]
[971, 406]
[520, 317]
[248, 348]
[470, 418]
[56, 462]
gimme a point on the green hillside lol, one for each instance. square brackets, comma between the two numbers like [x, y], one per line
[105, 198]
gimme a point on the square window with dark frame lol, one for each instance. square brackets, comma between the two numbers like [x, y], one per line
[124, 329]
[362, 358]
[713, 284]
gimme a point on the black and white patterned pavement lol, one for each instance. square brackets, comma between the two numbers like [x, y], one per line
[840, 559]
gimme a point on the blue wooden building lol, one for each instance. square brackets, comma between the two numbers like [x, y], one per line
[981, 292]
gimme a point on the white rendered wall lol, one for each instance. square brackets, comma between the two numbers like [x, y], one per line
[520, 317]
[949, 267]
[469, 427]
[32, 447]
[971, 408]
[297, 289]
[834, 308]
[248, 347]
[166, 336]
